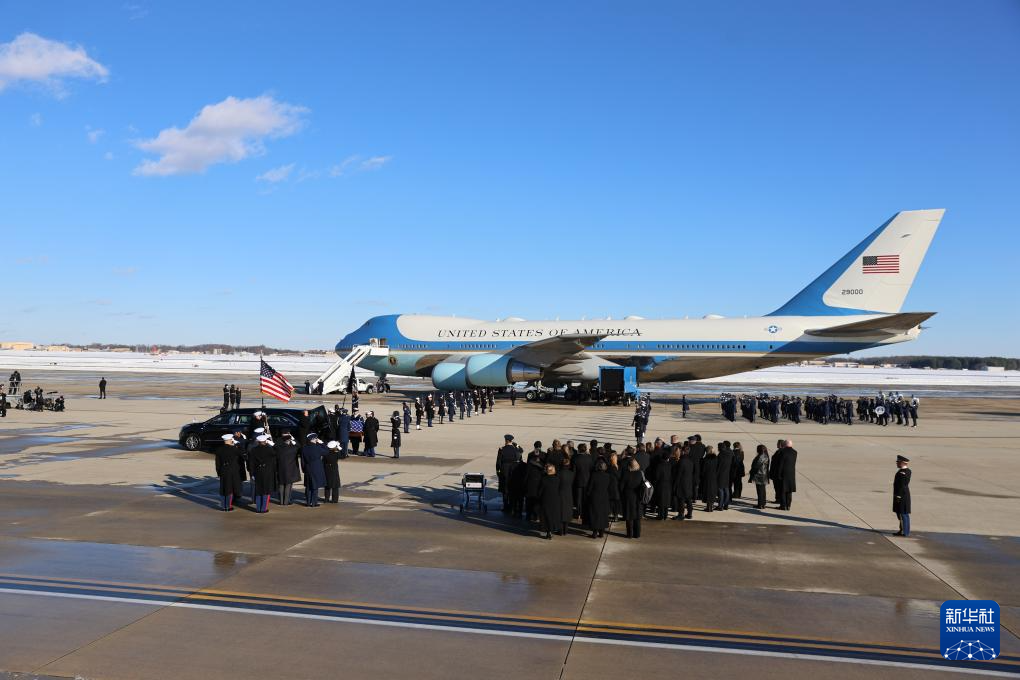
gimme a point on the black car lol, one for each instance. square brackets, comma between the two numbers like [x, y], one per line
[210, 433]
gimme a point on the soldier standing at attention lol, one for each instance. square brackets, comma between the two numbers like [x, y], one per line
[226, 397]
[228, 469]
[407, 416]
[507, 458]
[331, 468]
[395, 433]
[237, 395]
[102, 388]
[513, 395]
[901, 495]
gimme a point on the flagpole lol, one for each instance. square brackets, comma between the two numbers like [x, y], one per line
[260, 379]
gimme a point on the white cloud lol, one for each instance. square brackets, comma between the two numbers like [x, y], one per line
[375, 162]
[108, 156]
[32, 58]
[94, 134]
[275, 175]
[35, 120]
[353, 164]
[226, 132]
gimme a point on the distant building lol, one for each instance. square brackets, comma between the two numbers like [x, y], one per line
[994, 369]
[57, 348]
[16, 345]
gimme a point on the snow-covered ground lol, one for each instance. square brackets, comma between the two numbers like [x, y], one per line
[131, 362]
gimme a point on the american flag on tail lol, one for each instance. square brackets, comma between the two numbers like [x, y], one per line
[273, 383]
[881, 264]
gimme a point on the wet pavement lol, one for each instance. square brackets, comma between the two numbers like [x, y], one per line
[116, 563]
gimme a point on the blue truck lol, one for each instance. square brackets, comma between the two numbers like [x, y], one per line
[618, 385]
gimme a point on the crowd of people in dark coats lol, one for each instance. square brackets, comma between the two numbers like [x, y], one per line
[590, 485]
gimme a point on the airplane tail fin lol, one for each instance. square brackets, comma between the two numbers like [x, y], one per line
[874, 277]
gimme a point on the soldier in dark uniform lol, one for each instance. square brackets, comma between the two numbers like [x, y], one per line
[228, 469]
[288, 470]
[262, 462]
[312, 454]
[237, 398]
[442, 409]
[901, 495]
[226, 397]
[102, 388]
[419, 411]
[331, 468]
[395, 434]
[507, 459]
[450, 412]
[492, 398]
[513, 395]
[407, 416]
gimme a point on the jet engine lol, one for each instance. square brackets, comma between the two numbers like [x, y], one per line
[482, 370]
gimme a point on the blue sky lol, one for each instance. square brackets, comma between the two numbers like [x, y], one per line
[276, 173]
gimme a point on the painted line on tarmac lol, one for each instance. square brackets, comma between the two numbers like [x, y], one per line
[934, 663]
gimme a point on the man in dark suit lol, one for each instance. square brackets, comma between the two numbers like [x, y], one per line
[697, 455]
[102, 388]
[788, 474]
[582, 464]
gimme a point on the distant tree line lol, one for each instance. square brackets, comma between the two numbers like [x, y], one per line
[970, 363]
[193, 349]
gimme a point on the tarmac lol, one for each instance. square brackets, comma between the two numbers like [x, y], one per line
[116, 563]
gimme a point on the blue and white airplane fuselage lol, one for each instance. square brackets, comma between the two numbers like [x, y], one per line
[854, 305]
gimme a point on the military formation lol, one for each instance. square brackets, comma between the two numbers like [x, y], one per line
[880, 410]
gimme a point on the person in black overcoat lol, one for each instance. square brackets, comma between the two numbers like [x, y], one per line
[602, 490]
[738, 471]
[709, 478]
[518, 482]
[759, 473]
[723, 473]
[582, 463]
[567, 478]
[776, 472]
[683, 485]
[697, 455]
[288, 471]
[632, 491]
[901, 495]
[532, 486]
[331, 466]
[228, 469]
[312, 454]
[663, 483]
[371, 434]
[550, 509]
[615, 471]
[788, 474]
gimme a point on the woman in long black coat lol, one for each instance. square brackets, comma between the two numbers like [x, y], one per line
[287, 469]
[603, 489]
[616, 472]
[566, 476]
[709, 478]
[738, 471]
[549, 502]
[228, 468]
[534, 471]
[683, 484]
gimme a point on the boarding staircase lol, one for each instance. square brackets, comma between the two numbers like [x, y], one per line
[337, 376]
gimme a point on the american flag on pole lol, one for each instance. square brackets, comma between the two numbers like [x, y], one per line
[881, 264]
[273, 383]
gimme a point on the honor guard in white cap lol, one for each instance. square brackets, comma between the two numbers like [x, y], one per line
[331, 467]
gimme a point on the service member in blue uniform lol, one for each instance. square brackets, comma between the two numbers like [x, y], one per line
[901, 495]
[228, 468]
[312, 454]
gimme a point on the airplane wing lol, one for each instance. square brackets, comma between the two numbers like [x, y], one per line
[893, 324]
[556, 350]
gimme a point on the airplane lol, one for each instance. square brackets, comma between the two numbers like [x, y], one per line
[855, 304]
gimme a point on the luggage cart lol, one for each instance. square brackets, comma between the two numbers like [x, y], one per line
[473, 484]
